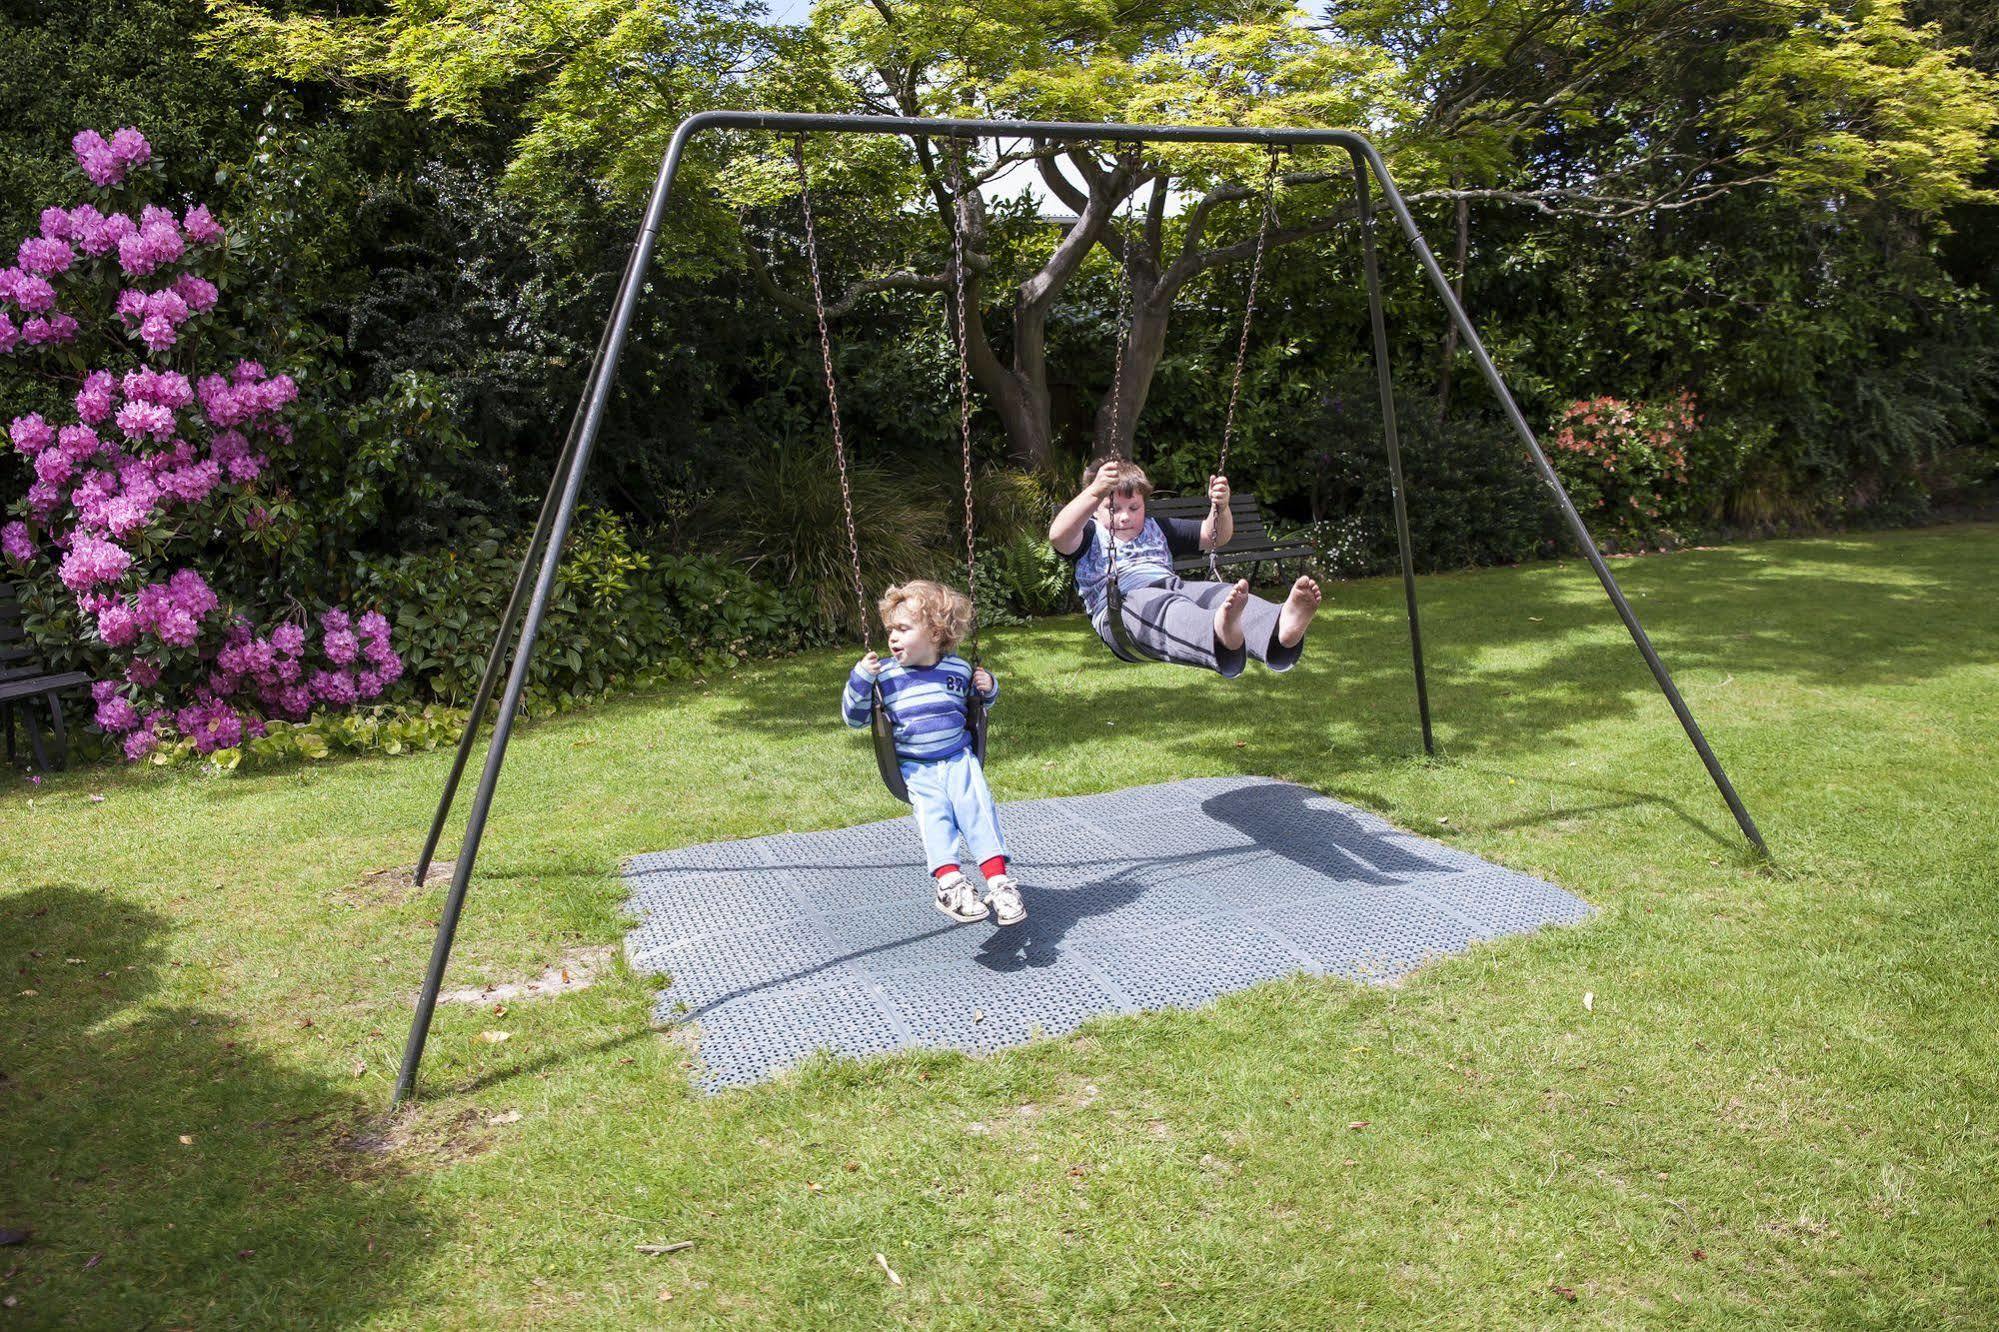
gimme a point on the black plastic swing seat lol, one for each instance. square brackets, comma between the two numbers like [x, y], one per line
[1156, 897]
[1123, 646]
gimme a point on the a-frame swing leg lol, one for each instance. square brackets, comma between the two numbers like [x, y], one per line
[1549, 478]
[596, 394]
[510, 618]
[1383, 377]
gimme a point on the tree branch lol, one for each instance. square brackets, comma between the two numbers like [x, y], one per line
[1155, 218]
[768, 285]
[1045, 285]
[1188, 266]
[1060, 185]
[1197, 220]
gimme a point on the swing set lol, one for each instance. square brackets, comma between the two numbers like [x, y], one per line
[528, 603]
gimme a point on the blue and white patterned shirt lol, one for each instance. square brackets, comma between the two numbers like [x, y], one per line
[1143, 561]
[926, 703]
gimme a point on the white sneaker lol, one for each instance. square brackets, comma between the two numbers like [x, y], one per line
[1004, 899]
[959, 900]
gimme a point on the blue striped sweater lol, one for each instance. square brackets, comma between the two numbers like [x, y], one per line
[926, 703]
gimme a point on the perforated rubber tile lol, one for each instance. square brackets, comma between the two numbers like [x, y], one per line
[1153, 897]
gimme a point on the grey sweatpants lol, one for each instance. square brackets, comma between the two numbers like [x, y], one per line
[1175, 620]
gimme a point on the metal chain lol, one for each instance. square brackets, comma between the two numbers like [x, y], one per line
[832, 391]
[964, 388]
[1242, 349]
[1127, 307]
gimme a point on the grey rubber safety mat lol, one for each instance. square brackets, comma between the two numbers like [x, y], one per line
[1154, 897]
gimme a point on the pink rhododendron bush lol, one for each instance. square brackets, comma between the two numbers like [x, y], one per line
[143, 469]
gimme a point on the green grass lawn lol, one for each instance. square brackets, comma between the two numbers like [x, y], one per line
[1780, 1109]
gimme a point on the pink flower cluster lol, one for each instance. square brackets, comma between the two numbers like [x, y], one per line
[153, 240]
[170, 612]
[33, 297]
[119, 481]
[274, 670]
[108, 163]
[156, 316]
[16, 544]
[249, 396]
[145, 442]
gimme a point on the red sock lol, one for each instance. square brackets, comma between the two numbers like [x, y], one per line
[942, 870]
[992, 866]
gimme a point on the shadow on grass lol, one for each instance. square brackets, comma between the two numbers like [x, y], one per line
[172, 1174]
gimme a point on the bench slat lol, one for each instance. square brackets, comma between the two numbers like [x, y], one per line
[1250, 543]
[41, 685]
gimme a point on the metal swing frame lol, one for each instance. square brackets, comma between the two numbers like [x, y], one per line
[536, 580]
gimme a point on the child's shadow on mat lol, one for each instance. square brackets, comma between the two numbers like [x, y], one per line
[1284, 820]
[1036, 941]
[1288, 823]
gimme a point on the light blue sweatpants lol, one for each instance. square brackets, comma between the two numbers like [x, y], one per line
[951, 800]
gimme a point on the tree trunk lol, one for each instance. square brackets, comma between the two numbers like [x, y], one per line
[1022, 404]
[1150, 319]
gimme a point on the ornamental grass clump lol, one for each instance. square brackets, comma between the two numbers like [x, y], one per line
[141, 484]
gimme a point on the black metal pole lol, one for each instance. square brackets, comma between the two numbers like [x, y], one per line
[596, 394]
[489, 679]
[1385, 379]
[1554, 484]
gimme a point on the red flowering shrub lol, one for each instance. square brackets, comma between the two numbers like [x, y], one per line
[1625, 466]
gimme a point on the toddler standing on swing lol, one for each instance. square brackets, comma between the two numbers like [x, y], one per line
[924, 690]
[1215, 625]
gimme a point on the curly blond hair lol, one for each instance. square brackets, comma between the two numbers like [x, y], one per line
[1131, 478]
[944, 611]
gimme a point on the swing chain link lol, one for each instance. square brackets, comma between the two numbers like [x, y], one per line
[832, 392]
[1127, 310]
[958, 209]
[1242, 349]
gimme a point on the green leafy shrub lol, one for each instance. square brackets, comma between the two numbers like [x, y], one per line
[783, 518]
[1473, 497]
[1022, 578]
[382, 729]
[617, 611]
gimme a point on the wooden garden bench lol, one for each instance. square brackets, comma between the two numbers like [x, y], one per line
[1252, 544]
[25, 681]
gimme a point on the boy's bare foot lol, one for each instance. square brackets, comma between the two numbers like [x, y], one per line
[1299, 608]
[1228, 616]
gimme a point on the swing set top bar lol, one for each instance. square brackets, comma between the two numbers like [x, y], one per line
[1066, 130]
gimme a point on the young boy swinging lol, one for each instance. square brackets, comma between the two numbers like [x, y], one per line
[1215, 625]
[924, 691]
